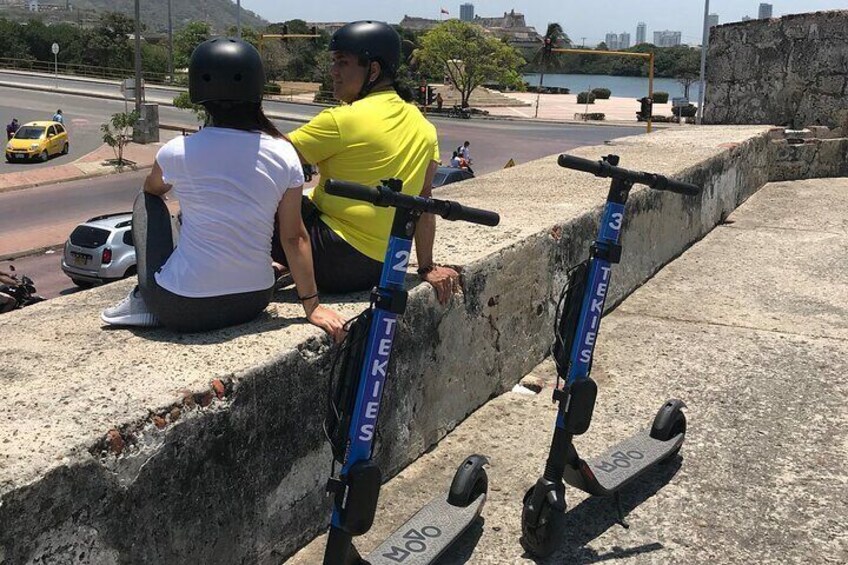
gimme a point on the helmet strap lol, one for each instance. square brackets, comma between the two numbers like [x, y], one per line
[368, 85]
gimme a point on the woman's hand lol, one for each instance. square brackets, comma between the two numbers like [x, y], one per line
[325, 318]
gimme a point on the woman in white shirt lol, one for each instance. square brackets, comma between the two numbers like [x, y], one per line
[230, 179]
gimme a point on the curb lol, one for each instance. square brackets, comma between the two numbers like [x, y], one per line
[611, 123]
[15, 255]
[81, 176]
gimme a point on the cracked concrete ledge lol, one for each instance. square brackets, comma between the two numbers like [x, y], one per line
[144, 446]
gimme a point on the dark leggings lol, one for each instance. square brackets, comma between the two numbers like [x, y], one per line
[339, 267]
[154, 243]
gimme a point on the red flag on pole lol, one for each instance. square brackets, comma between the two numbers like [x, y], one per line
[445, 11]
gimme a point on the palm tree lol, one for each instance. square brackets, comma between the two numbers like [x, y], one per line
[545, 58]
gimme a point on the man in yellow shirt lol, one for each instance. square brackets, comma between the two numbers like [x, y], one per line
[377, 134]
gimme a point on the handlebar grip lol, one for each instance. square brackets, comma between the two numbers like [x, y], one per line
[352, 190]
[671, 185]
[579, 164]
[457, 211]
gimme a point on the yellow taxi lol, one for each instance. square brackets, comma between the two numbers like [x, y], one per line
[37, 140]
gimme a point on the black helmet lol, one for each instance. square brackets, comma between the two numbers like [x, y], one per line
[376, 41]
[225, 69]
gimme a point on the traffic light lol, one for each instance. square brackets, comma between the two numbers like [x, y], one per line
[646, 110]
[285, 33]
[422, 95]
[314, 31]
[431, 95]
[549, 45]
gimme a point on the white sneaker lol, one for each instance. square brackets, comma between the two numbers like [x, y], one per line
[131, 311]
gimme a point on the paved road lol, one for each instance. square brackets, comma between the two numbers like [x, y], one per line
[153, 93]
[494, 142]
[45, 272]
[45, 215]
[84, 136]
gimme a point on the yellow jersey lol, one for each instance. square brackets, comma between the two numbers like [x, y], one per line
[378, 137]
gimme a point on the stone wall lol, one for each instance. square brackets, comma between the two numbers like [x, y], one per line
[790, 71]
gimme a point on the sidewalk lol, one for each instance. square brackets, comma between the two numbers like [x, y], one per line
[563, 107]
[749, 328]
[94, 164]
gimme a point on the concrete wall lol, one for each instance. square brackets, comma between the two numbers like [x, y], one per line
[143, 446]
[790, 71]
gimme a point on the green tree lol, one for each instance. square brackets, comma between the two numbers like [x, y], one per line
[118, 132]
[297, 58]
[467, 56]
[184, 102]
[185, 40]
[12, 45]
[247, 33]
[687, 69]
[108, 44]
[154, 60]
[545, 59]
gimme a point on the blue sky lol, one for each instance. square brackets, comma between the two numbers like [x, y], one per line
[579, 18]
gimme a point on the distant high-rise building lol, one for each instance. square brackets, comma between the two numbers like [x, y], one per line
[746, 18]
[641, 32]
[765, 11]
[612, 41]
[466, 12]
[623, 40]
[667, 38]
[712, 20]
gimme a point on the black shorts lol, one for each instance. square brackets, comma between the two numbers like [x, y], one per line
[339, 267]
[154, 244]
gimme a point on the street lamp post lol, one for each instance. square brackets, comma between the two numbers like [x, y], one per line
[703, 86]
[138, 90]
[170, 46]
[238, 18]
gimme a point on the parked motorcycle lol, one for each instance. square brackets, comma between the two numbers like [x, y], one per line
[459, 112]
[23, 292]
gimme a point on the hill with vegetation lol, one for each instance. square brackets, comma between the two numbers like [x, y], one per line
[219, 14]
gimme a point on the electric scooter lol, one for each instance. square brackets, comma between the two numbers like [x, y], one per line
[577, 321]
[356, 394]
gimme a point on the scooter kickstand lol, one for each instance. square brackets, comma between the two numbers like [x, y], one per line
[620, 510]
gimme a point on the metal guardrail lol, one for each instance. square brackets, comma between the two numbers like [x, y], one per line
[87, 71]
[112, 73]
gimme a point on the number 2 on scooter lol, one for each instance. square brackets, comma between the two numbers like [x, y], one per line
[403, 261]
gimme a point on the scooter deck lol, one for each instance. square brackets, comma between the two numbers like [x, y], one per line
[621, 463]
[427, 534]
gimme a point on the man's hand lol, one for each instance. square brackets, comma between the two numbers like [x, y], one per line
[328, 320]
[7, 278]
[444, 279]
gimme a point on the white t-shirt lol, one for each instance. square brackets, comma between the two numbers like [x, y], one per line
[229, 183]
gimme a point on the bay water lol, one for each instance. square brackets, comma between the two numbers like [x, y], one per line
[629, 87]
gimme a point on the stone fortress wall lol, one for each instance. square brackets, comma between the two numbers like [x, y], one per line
[790, 71]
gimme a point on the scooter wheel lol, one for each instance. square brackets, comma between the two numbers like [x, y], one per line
[669, 422]
[538, 539]
[469, 481]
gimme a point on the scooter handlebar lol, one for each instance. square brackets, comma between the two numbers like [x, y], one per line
[580, 164]
[386, 197]
[352, 190]
[606, 170]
